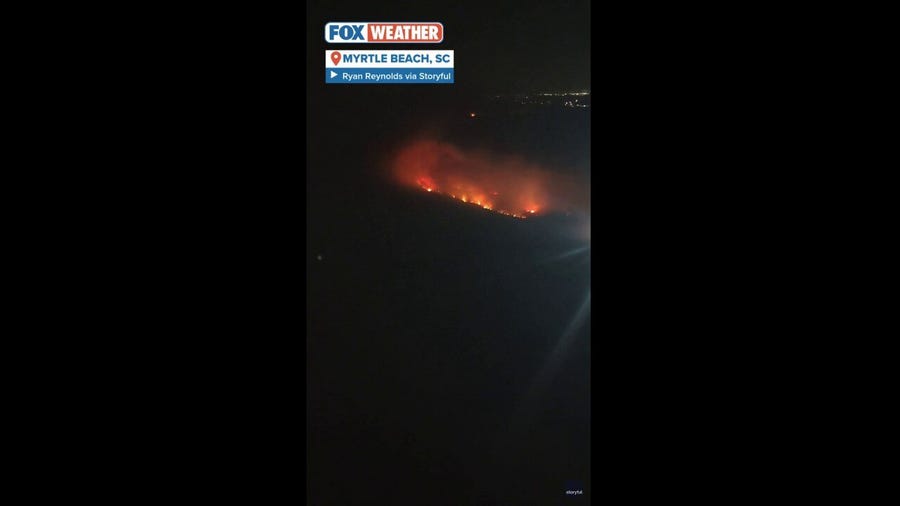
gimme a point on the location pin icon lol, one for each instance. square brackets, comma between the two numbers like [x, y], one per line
[336, 57]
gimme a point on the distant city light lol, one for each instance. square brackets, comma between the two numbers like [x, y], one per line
[562, 98]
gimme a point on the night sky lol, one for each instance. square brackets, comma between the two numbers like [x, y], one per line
[509, 47]
[448, 348]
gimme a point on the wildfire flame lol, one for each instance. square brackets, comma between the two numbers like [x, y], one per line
[504, 185]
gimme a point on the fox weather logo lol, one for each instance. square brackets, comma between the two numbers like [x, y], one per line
[384, 33]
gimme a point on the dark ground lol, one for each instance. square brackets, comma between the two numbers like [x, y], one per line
[429, 321]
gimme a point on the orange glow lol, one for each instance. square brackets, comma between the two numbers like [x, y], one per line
[471, 114]
[503, 184]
